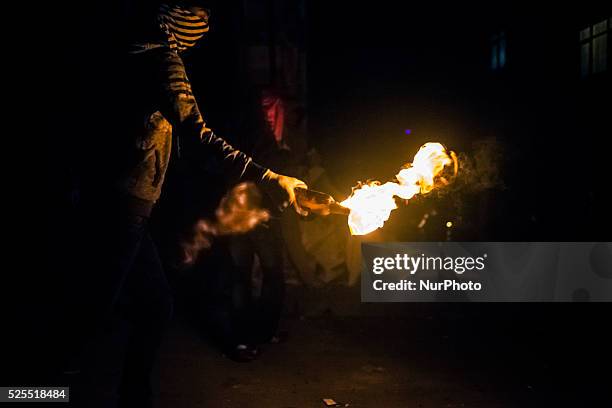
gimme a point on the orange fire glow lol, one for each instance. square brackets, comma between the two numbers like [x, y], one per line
[371, 204]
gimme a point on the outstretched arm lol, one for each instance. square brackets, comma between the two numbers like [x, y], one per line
[180, 107]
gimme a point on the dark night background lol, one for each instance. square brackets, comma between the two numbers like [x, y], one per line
[368, 72]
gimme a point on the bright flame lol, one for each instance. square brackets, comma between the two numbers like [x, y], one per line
[371, 204]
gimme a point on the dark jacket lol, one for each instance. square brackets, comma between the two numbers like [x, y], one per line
[135, 109]
[166, 106]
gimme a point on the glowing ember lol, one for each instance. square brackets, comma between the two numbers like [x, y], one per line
[371, 204]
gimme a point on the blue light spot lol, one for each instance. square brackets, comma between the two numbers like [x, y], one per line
[408, 131]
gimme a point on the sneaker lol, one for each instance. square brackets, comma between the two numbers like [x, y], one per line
[243, 353]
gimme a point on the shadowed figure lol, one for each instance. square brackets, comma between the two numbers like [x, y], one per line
[118, 297]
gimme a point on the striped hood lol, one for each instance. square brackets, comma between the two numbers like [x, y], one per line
[182, 27]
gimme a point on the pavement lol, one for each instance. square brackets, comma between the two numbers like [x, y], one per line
[393, 356]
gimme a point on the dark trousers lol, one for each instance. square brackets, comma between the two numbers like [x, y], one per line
[124, 304]
[235, 310]
[256, 316]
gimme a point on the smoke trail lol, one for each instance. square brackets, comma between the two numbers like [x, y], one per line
[238, 213]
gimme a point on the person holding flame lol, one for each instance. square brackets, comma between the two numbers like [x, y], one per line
[157, 117]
